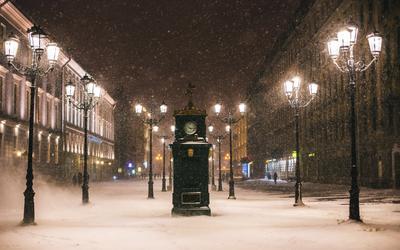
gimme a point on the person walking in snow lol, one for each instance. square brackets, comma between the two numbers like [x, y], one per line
[275, 177]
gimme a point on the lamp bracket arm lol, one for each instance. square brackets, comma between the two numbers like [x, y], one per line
[305, 103]
[20, 69]
[340, 67]
[361, 66]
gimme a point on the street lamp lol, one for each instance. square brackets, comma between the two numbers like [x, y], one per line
[164, 138]
[152, 122]
[91, 96]
[169, 188]
[218, 138]
[230, 120]
[296, 100]
[37, 41]
[341, 50]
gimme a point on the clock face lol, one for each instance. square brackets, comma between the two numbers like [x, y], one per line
[190, 128]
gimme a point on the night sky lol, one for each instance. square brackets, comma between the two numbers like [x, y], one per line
[159, 46]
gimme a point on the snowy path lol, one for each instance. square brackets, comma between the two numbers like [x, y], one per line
[120, 217]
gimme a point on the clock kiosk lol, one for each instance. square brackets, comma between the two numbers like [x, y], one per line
[190, 151]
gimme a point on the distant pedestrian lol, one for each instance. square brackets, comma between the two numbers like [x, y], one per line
[74, 180]
[275, 177]
[80, 178]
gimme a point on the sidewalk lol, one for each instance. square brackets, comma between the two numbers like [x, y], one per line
[321, 191]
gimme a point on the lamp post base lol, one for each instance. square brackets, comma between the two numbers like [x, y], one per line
[232, 190]
[354, 204]
[298, 201]
[299, 204]
[163, 189]
[85, 194]
[151, 192]
[29, 208]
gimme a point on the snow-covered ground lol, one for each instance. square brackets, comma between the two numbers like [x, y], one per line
[121, 217]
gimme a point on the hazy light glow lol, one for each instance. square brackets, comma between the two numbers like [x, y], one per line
[227, 128]
[172, 128]
[211, 128]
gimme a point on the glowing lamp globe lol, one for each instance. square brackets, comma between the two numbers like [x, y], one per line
[52, 53]
[97, 91]
[313, 88]
[217, 108]
[69, 89]
[296, 82]
[37, 39]
[163, 108]
[288, 87]
[11, 47]
[353, 32]
[375, 43]
[333, 48]
[344, 37]
[155, 128]
[90, 88]
[242, 108]
[138, 108]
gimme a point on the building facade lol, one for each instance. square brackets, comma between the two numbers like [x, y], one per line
[132, 138]
[324, 124]
[241, 161]
[58, 127]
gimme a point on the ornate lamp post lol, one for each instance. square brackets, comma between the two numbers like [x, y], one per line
[341, 50]
[230, 120]
[91, 95]
[150, 119]
[213, 186]
[169, 187]
[37, 41]
[297, 101]
[218, 138]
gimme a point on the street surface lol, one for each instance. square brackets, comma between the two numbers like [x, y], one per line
[121, 217]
